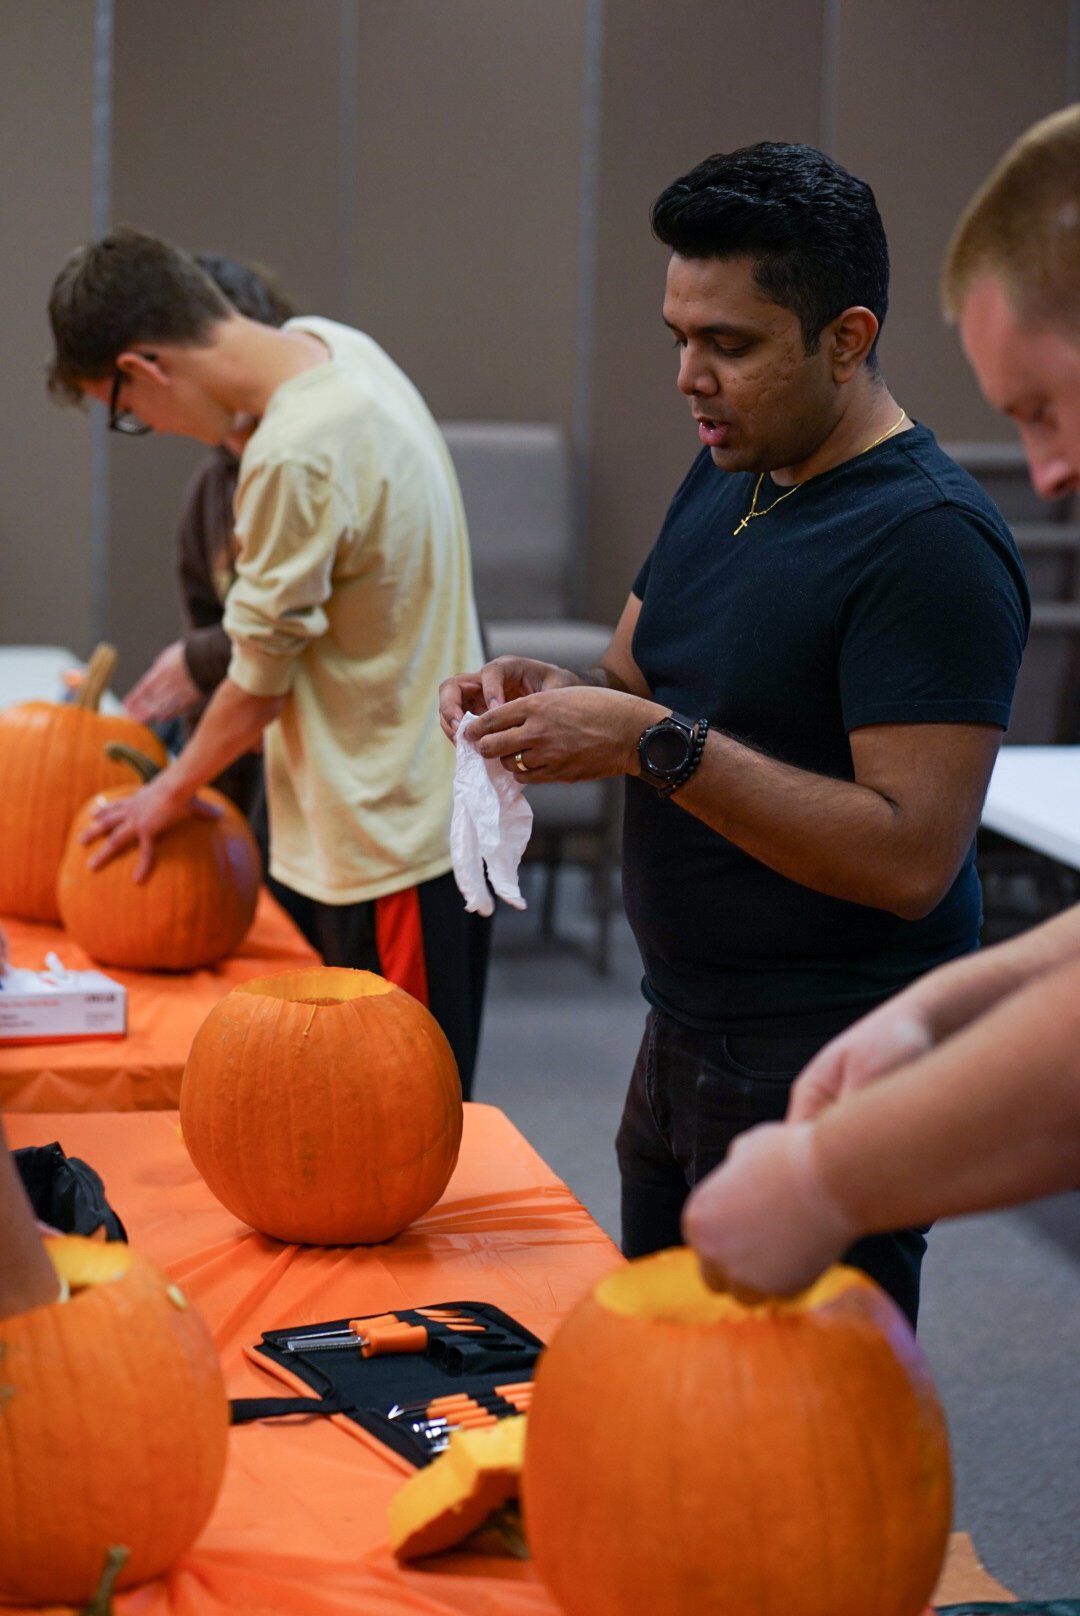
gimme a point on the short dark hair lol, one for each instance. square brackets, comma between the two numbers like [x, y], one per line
[252, 289]
[811, 229]
[126, 289]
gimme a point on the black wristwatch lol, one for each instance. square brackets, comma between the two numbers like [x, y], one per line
[670, 751]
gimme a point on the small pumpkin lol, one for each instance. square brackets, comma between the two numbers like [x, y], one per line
[113, 1428]
[195, 906]
[454, 1495]
[322, 1106]
[52, 758]
[687, 1452]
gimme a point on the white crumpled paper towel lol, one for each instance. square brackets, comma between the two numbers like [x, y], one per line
[491, 825]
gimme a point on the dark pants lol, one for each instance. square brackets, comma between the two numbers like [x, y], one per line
[690, 1094]
[422, 939]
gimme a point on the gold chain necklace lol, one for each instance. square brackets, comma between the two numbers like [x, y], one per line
[753, 511]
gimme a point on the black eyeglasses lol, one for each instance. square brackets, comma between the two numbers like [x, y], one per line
[123, 420]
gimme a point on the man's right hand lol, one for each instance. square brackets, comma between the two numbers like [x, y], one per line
[890, 1036]
[504, 679]
[764, 1221]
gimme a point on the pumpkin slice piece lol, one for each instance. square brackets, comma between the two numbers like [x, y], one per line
[455, 1494]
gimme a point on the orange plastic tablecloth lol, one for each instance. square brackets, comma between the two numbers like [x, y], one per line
[142, 1071]
[300, 1527]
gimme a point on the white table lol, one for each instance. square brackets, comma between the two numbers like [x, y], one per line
[36, 673]
[1034, 798]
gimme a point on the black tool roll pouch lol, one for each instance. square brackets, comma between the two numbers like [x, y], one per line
[366, 1389]
[1056, 1607]
[65, 1192]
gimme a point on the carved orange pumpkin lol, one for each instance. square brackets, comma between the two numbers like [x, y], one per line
[688, 1453]
[113, 1428]
[454, 1495]
[322, 1106]
[52, 758]
[194, 907]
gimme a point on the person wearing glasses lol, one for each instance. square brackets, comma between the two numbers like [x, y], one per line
[962, 1093]
[174, 690]
[352, 600]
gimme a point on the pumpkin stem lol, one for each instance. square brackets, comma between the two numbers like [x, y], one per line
[99, 670]
[121, 752]
[115, 1561]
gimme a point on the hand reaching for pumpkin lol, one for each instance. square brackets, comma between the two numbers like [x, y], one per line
[764, 1220]
[165, 689]
[140, 817]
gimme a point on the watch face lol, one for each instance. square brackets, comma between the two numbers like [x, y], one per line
[666, 750]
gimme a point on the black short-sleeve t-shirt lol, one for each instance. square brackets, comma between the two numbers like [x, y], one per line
[885, 591]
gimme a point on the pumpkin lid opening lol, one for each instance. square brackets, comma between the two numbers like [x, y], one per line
[668, 1287]
[325, 985]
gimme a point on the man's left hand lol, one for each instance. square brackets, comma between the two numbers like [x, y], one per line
[140, 817]
[165, 689]
[581, 733]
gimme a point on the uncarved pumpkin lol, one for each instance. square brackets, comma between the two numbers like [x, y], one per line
[686, 1453]
[113, 1428]
[52, 758]
[195, 906]
[322, 1106]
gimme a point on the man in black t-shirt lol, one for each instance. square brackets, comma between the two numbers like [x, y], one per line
[807, 687]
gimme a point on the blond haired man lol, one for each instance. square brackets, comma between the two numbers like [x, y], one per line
[981, 1107]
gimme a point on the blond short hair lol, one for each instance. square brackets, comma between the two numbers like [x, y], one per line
[1023, 226]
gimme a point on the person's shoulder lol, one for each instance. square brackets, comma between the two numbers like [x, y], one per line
[945, 481]
[316, 415]
[342, 340]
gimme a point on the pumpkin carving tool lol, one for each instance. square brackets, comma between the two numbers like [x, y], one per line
[373, 1339]
[384, 1332]
[512, 1392]
[435, 1430]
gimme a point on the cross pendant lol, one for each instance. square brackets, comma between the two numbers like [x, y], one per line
[744, 523]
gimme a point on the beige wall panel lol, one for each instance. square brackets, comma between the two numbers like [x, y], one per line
[225, 138]
[681, 80]
[46, 113]
[930, 96]
[468, 187]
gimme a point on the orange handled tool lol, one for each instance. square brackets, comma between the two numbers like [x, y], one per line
[375, 1340]
[386, 1332]
[518, 1394]
[355, 1331]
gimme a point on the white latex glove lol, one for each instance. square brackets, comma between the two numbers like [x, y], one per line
[491, 825]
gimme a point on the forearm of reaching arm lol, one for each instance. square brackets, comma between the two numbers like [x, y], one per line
[947, 999]
[27, 1277]
[990, 1118]
[231, 725]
